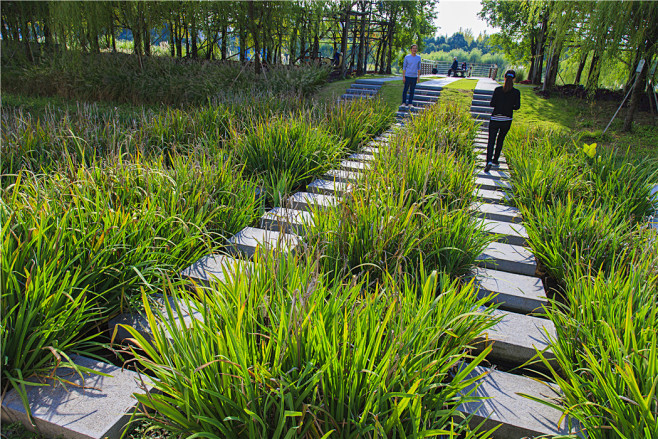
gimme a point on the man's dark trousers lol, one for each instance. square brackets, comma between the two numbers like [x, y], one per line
[497, 132]
[409, 82]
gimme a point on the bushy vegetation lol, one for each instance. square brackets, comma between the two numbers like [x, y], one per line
[281, 350]
[123, 78]
[585, 213]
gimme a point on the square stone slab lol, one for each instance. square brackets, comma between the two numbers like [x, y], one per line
[341, 175]
[492, 184]
[514, 292]
[351, 165]
[498, 212]
[507, 257]
[327, 187]
[308, 201]
[286, 220]
[248, 240]
[215, 268]
[509, 233]
[98, 410]
[518, 417]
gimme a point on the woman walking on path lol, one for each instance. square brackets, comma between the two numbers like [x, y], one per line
[504, 101]
[410, 74]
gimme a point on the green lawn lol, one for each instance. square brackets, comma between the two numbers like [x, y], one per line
[462, 84]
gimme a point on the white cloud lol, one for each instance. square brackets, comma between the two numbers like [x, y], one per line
[453, 14]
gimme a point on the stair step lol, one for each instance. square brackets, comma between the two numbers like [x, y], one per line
[498, 212]
[351, 165]
[515, 292]
[342, 176]
[494, 174]
[516, 339]
[250, 239]
[508, 257]
[486, 109]
[517, 416]
[483, 91]
[411, 109]
[327, 187]
[378, 82]
[360, 91]
[360, 157]
[481, 97]
[492, 184]
[509, 233]
[281, 219]
[353, 96]
[489, 196]
[481, 116]
[94, 408]
[366, 86]
[309, 201]
[481, 103]
[215, 268]
[371, 150]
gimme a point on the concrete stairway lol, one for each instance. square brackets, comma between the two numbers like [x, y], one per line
[507, 269]
[363, 89]
[424, 96]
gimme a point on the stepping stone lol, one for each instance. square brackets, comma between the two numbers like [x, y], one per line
[516, 415]
[342, 176]
[327, 187]
[351, 165]
[486, 109]
[308, 201]
[481, 97]
[484, 103]
[492, 184]
[361, 91]
[502, 160]
[494, 174]
[215, 268]
[515, 292]
[517, 338]
[489, 196]
[100, 409]
[508, 257]
[366, 86]
[509, 233]
[250, 239]
[372, 150]
[286, 220]
[484, 91]
[481, 116]
[357, 157]
[354, 96]
[141, 324]
[412, 109]
[498, 212]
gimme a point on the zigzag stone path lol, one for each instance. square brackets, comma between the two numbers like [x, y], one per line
[506, 269]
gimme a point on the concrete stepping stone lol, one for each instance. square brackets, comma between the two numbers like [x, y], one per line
[509, 233]
[286, 220]
[342, 176]
[495, 174]
[351, 165]
[250, 239]
[372, 150]
[355, 96]
[516, 338]
[489, 196]
[366, 86]
[517, 416]
[514, 292]
[481, 103]
[498, 212]
[328, 187]
[360, 157]
[309, 201]
[481, 108]
[492, 184]
[215, 268]
[501, 159]
[481, 116]
[508, 257]
[141, 324]
[94, 408]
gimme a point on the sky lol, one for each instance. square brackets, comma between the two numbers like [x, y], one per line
[453, 14]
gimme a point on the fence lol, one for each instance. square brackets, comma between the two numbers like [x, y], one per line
[479, 70]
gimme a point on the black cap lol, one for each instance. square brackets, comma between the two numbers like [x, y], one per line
[510, 74]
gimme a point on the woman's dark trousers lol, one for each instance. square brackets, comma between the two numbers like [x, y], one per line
[409, 82]
[497, 132]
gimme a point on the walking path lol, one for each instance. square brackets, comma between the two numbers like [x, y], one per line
[506, 267]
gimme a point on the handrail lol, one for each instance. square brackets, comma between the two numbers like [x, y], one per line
[426, 67]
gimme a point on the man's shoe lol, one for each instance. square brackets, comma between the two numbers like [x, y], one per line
[495, 164]
[488, 167]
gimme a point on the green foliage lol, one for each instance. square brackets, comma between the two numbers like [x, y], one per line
[151, 80]
[281, 350]
[286, 154]
[358, 120]
[607, 348]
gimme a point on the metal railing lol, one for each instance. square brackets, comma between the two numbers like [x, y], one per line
[481, 70]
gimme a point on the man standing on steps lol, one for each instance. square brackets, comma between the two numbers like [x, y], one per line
[410, 75]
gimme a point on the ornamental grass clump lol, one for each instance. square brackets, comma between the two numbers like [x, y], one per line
[445, 126]
[280, 351]
[606, 347]
[358, 120]
[284, 154]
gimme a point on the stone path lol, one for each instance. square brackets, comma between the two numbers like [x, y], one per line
[506, 268]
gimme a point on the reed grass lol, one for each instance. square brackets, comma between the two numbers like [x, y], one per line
[281, 351]
[358, 120]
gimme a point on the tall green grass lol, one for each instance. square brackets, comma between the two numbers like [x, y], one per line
[358, 120]
[285, 154]
[281, 352]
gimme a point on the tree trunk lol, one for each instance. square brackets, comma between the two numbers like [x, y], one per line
[172, 40]
[195, 48]
[302, 46]
[362, 41]
[581, 67]
[533, 48]
[391, 33]
[631, 76]
[635, 98]
[224, 45]
[539, 51]
[554, 63]
[594, 73]
[343, 41]
[255, 31]
[25, 33]
[187, 40]
[292, 52]
[147, 37]
[179, 37]
[243, 43]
